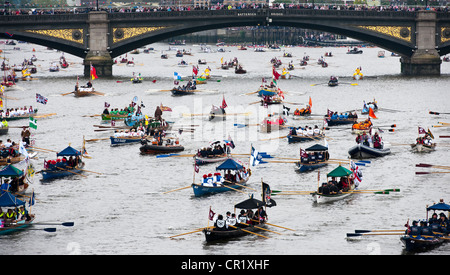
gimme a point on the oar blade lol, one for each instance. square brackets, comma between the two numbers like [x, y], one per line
[361, 231]
[67, 223]
[354, 234]
[50, 229]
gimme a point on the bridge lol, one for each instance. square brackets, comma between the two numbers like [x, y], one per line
[420, 37]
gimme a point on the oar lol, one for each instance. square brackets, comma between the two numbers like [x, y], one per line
[248, 231]
[277, 226]
[67, 93]
[366, 192]
[385, 190]
[444, 123]
[262, 228]
[372, 234]
[71, 172]
[432, 166]
[195, 231]
[379, 231]
[53, 223]
[444, 136]
[425, 173]
[96, 139]
[319, 84]
[177, 189]
[89, 171]
[47, 229]
[437, 113]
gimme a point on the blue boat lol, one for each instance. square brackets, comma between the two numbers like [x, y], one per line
[133, 120]
[9, 200]
[124, 140]
[60, 169]
[206, 188]
[317, 157]
[267, 92]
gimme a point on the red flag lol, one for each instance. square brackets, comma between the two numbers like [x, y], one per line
[196, 168]
[303, 153]
[211, 214]
[224, 104]
[276, 75]
[93, 73]
[371, 113]
[194, 70]
[310, 102]
[422, 130]
[154, 80]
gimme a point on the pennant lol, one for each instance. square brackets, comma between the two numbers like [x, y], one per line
[93, 73]
[165, 108]
[33, 123]
[276, 75]
[107, 104]
[255, 157]
[224, 103]
[266, 195]
[176, 76]
[211, 214]
[194, 70]
[32, 200]
[229, 142]
[310, 102]
[196, 168]
[422, 131]
[371, 113]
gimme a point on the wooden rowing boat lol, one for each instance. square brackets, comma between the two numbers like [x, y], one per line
[213, 234]
[302, 138]
[115, 141]
[203, 190]
[160, 149]
[420, 243]
[419, 147]
[17, 226]
[84, 91]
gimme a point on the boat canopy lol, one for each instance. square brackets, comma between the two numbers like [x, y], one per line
[8, 200]
[250, 203]
[69, 151]
[10, 171]
[317, 147]
[340, 172]
[229, 164]
[439, 206]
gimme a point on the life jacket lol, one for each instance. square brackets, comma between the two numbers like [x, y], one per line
[10, 215]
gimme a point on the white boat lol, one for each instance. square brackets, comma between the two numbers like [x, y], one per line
[330, 197]
[423, 148]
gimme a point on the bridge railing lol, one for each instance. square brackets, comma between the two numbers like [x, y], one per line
[51, 18]
[193, 13]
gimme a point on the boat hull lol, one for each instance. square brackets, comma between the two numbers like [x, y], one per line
[115, 141]
[345, 121]
[54, 174]
[212, 235]
[419, 244]
[201, 190]
[20, 225]
[294, 139]
[361, 151]
[206, 160]
[306, 167]
[421, 148]
[177, 92]
[160, 149]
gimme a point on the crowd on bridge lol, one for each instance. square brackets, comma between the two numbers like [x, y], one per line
[150, 8]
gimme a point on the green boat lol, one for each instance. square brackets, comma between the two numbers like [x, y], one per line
[25, 116]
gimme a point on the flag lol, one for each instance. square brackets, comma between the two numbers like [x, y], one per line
[93, 73]
[430, 134]
[176, 76]
[266, 192]
[276, 75]
[41, 99]
[196, 168]
[329, 113]
[32, 200]
[303, 153]
[211, 214]
[357, 174]
[107, 104]
[9, 34]
[194, 70]
[229, 142]
[310, 102]
[33, 123]
[1, 103]
[274, 81]
[165, 108]
[224, 103]
[422, 131]
[22, 150]
[221, 60]
[255, 157]
[372, 113]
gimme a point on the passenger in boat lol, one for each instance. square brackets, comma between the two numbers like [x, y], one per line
[242, 218]
[413, 230]
[26, 135]
[10, 216]
[158, 113]
[325, 189]
[231, 220]
[358, 139]
[425, 230]
[89, 84]
[444, 223]
[250, 216]
[366, 141]
[261, 215]
[23, 214]
[220, 224]
[377, 141]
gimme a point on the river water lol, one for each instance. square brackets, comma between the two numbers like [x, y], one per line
[123, 211]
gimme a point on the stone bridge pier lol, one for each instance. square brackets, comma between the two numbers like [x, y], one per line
[425, 59]
[98, 51]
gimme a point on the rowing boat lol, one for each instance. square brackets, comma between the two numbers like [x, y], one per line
[199, 160]
[324, 197]
[361, 151]
[84, 91]
[54, 169]
[333, 121]
[10, 118]
[17, 226]
[420, 243]
[312, 158]
[203, 190]
[160, 149]
[124, 140]
[302, 138]
[212, 234]
[180, 92]
[419, 147]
